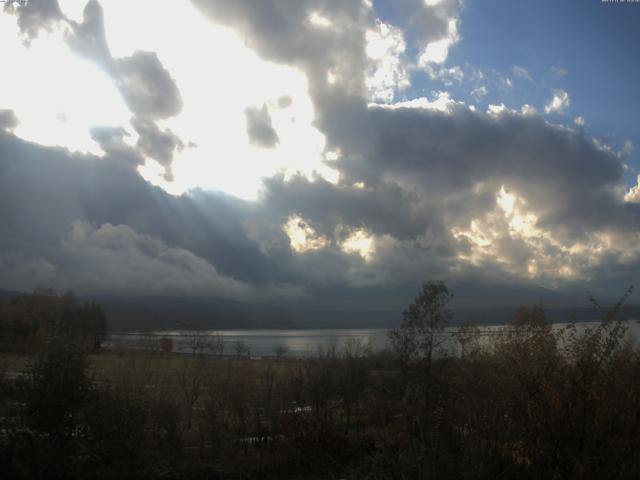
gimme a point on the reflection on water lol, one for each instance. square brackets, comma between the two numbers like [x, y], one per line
[302, 343]
[297, 343]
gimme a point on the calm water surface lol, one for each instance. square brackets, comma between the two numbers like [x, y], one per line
[302, 343]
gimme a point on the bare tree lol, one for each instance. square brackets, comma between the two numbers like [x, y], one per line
[240, 348]
[216, 344]
[198, 342]
[191, 381]
[281, 351]
[420, 333]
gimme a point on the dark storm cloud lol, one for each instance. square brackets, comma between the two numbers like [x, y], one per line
[89, 223]
[259, 127]
[566, 178]
[387, 209]
[82, 220]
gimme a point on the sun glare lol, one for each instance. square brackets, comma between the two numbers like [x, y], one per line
[56, 95]
[216, 93]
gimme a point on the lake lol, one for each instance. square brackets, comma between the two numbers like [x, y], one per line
[298, 343]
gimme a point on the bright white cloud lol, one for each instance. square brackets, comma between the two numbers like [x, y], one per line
[318, 20]
[633, 195]
[441, 103]
[497, 110]
[558, 103]
[506, 201]
[479, 92]
[438, 50]
[387, 74]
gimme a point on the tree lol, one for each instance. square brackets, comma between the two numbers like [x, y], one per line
[240, 348]
[281, 351]
[422, 324]
[58, 385]
[198, 342]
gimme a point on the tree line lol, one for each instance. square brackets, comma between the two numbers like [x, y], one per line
[26, 321]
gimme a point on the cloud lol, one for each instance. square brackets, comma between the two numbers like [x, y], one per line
[113, 144]
[88, 38]
[448, 76]
[259, 127]
[117, 259]
[147, 86]
[479, 92]
[442, 102]
[424, 185]
[558, 103]
[36, 16]
[8, 120]
[560, 71]
[95, 225]
[160, 145]
[148, 90]
[388, 72]
[521, 72]
[437, 169]
[633, 195]
[22, 273]
[527, 109]
[437, 51]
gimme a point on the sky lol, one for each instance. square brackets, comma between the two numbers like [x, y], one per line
[282, 151]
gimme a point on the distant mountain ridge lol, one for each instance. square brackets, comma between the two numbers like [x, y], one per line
[162, 313]
[9, 294]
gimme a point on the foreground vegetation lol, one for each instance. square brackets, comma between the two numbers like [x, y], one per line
[534, 403]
